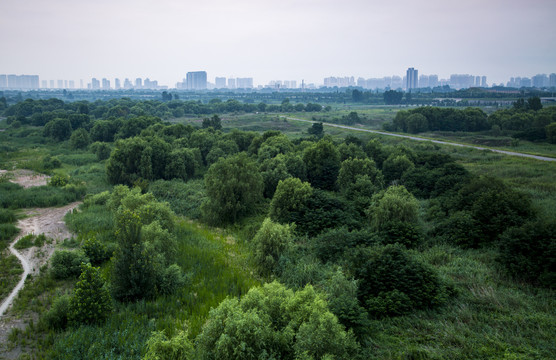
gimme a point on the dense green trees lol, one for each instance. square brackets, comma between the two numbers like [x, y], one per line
[91, 301]
[269, 243]
[276, 323]
[393, 282]
[234, 188]
[323, 164]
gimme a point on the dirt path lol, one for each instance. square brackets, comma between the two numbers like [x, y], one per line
[536, 157]
[47, 221]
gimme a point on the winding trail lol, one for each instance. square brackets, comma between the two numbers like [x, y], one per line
[26, 270]
[512, 153]
[47, 221]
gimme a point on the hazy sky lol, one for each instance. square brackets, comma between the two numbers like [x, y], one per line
[276, 39]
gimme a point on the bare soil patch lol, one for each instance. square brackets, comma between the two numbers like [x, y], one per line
[26, 178]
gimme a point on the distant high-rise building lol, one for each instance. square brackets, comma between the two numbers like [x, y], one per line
[231, 83]
[52, 84]
[43, 83]
[552, 80]
[20, 82]
[95, 84]
[412, 79]
[196, 80]
[138, 83]
[244, 83]
[461, 81]
[525, 82]
[540, 80]
[433, 81]
[220, 82]
[81, 83]
[105, 84]
[72, 84]
[60, 84]
[424, 81]
[483, 81]
[477, 81]
[117, 84]
[127, 84]
[3, 81]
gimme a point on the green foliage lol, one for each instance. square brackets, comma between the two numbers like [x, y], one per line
[234, 188]
[323, 164]
[58, 180]
[213, 122]
[394, 204]
[269, 243]
[332, 244]
[159, 347]
[273, 170]
[316, 129]
[67, 264]
[95, 251]
[184, 198]
[101, 150]
[49, 163]
[80, 139]
[25, 242]
[393, 282]
[133, 272]
[58, 129]
[551, 133]
[341, 294]
[324, 210]
[291, 195]
[14, 196]
[91, 303]
[56, 317]
[529, 252]
[395, 166]
[274, 322]
[493, 206]
[7, 216]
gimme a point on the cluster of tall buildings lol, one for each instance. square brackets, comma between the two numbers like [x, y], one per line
[232, 83]
[412, 80]
[334, 81]
[138, 84]
[19, 82]
[538, 81]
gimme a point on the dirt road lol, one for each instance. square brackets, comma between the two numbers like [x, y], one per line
[536, 157]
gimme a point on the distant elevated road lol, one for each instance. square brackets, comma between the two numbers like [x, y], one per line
[542, 158]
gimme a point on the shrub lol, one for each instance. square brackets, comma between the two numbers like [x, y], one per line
[95, 251]
[91, 301]
[49, 163]
[274, 322]
[159, 347]
[393, 282]
[57, 317]
[529, 252]
[66, 264]
[7, 216]
[171, 280]
[25, 242]
[58, 180]
[396, 204]
[8, 231]
[269, 243]
[332, 244]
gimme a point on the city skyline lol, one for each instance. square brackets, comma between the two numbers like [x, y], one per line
[303, 40]
[199, 80]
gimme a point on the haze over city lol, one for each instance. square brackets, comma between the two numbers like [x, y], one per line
[268, 40]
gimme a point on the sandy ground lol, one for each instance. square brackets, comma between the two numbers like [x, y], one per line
[26, 178]
[48, 221]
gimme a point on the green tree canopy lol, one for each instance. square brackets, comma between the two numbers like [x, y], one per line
[234, 188]
[275, 323]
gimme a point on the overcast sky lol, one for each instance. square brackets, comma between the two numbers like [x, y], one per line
[276, 39]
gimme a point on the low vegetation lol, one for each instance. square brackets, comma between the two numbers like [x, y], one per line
[206, 242]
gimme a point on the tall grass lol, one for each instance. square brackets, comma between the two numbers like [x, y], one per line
[14, 196]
